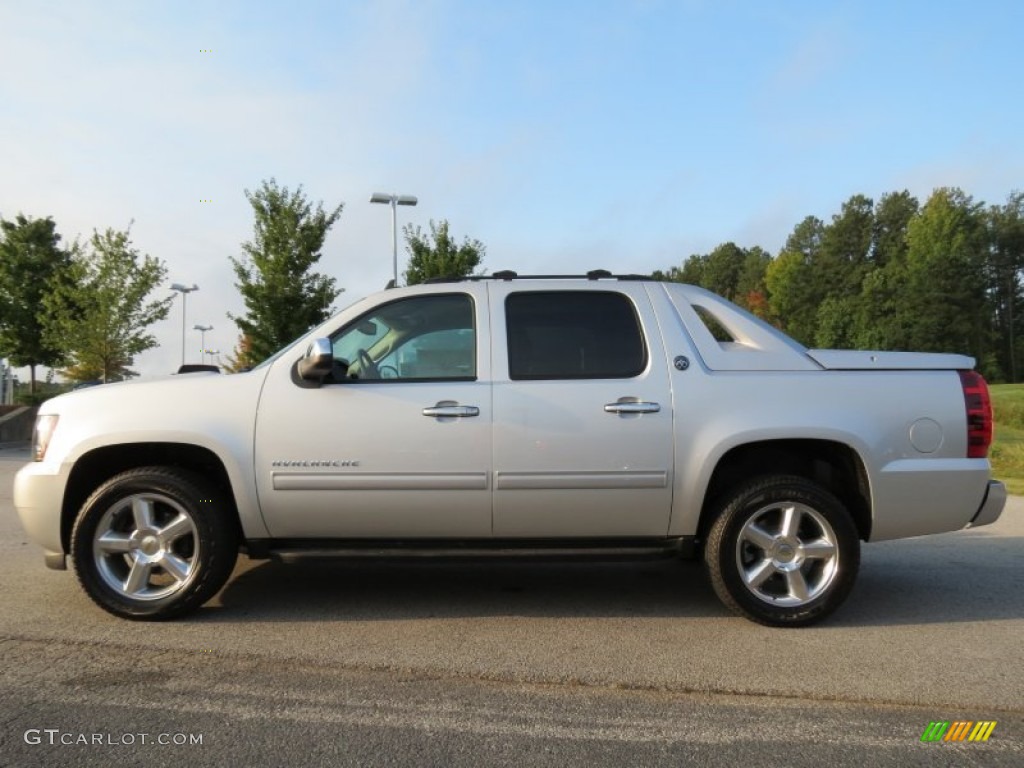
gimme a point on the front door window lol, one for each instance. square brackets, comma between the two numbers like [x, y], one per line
[425, 338]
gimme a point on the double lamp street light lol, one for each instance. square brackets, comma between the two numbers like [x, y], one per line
[202, 330]
[184, 290]
[393, 200]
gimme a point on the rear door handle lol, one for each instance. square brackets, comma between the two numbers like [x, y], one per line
[632, 406]
[446, 410]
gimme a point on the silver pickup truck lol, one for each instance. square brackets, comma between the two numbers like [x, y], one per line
[512, 415]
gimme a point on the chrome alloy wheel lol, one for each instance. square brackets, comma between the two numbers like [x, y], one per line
[146, 547]
[787, 554]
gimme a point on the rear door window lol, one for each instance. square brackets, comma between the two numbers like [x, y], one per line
[573, 335]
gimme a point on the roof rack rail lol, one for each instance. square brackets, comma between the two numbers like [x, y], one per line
[508, 274]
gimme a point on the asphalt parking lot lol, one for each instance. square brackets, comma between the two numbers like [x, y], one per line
[538, 664]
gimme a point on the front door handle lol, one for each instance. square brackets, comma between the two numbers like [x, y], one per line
[632, 406]
[449, 410]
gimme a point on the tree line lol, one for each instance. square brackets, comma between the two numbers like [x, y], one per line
[888, 275]
[85, 308]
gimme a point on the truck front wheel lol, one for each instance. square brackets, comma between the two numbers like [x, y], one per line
[153, 543]
[782, 551]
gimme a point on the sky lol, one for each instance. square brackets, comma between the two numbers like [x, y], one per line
[567, 135]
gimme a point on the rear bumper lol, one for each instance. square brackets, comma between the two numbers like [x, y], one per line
[918, 497]
[992, 507]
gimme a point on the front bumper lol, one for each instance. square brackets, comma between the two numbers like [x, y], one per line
[38, 499]
[992, 507]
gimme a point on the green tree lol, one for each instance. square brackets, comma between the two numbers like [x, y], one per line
[736, 273]
[671, 275]
[438, 255]
[100, 315]
[786, 280]
[879, 321]
[31, 262]
[723, 269]
[846, 246]
[1006, 260]
[839, 268]
[945, 307]
[893, 214]
[751, 289]
[283, 298]
[835, 322]
[795, 288]
[691, 272]
[240, 360]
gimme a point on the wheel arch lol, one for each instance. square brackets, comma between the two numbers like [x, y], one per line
[835, 466]
[100, 464]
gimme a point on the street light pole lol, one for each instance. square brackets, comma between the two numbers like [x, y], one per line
[184, 291]
[202, 330]
[393, 200]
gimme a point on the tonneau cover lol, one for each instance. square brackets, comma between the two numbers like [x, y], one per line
[855, 360]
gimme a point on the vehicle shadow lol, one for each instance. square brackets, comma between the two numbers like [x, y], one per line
[339, 590]
[938, 579]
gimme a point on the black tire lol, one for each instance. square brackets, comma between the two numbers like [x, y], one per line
[154, 543]
[777, 574]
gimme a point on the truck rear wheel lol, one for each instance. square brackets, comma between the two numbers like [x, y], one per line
[153, 543]
[782, 551]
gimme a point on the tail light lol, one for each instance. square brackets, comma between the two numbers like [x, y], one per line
[979, 414]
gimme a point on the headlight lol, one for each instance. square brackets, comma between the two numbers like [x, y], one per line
[45, 425]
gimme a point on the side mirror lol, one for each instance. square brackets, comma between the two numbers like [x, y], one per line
[318, 361]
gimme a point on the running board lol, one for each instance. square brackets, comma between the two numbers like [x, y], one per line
[591, 549]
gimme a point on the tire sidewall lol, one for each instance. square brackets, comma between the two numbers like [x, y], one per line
[213, 541]
[738, 511]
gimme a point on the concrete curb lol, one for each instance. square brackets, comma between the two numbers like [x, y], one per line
[17, 425]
